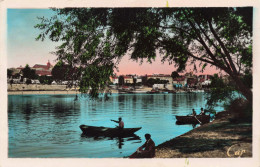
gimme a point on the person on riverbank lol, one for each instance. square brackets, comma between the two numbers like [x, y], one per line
[120, 123]
[202, 112]
[147, 150]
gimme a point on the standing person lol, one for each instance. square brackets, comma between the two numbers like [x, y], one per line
[120, 123]
[147, 150]
[202, 112]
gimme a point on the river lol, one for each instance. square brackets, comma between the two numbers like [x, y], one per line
[47, 126]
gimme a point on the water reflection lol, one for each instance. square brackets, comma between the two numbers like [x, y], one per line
[27, 110]
[192, 125]
[120, 141]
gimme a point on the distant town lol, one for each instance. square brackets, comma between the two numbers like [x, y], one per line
[41, 74]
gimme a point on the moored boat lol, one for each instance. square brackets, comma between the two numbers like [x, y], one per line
[193, 119]
[152, 92]
[106, 131]
[139, 91]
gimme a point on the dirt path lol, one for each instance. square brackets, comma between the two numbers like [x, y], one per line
[218, 139]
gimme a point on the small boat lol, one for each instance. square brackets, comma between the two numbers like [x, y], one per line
[139, 91]
[153, 91]
[109, 132]
[193, 119]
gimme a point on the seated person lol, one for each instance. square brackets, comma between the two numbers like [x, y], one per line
[147, 150]
[202, 112]
[120, 123]
[193, 112]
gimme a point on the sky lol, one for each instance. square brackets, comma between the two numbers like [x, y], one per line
[22, 48]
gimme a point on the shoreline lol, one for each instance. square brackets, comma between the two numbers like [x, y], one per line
[220, 138]
[20, 89]
[41, 92]
[64, 92]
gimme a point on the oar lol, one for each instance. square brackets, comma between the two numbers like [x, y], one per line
[197, 119]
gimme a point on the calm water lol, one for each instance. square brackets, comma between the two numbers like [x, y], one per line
[48, 125]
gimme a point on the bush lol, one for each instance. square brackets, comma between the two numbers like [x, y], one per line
[45, 79]
[28, 81]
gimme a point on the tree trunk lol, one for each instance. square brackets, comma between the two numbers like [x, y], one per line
[243, 89]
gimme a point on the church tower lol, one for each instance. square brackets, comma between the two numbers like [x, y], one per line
[48, 64]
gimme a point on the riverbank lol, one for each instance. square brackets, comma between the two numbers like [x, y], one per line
[20, 89]
[220, 138]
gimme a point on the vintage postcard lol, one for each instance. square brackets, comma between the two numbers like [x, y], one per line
[159, 83]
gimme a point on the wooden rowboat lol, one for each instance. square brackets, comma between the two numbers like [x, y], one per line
[193, 119]
[109, 132]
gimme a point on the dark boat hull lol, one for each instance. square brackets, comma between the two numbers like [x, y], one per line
[192, 120]
[109, 132]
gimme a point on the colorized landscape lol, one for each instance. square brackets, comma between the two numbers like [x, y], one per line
[130, 83]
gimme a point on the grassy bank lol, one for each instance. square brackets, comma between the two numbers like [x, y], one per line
[220, 138]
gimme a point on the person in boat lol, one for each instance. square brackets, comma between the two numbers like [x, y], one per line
[120, 123]
[193, 112]
[147, 150]
[202, 112]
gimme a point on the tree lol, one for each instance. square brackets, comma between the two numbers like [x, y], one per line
[134, 81]
[63, 71]
[58, 72]
[9, 73]
[29, 73]
[150, 82]
[28, 81]
[17, 75]
[220, 91]
[45, 79]
[121, 80]
[26, 71]
[96, 38]
[175, 74]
